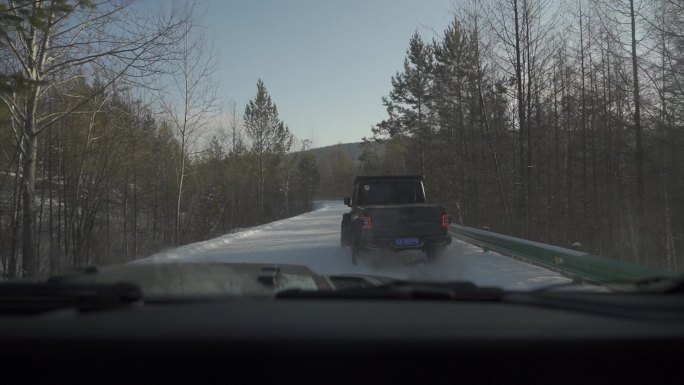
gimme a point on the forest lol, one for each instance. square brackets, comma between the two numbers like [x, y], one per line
[560, 122]
[111, 142]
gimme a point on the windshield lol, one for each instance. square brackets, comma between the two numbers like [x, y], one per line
[516, 144]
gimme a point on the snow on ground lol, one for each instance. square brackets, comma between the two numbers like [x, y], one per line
[313, 239]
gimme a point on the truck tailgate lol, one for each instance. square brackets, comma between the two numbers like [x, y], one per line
[404, 220]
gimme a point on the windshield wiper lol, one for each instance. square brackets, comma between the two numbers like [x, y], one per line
[455, 291]
[659, 308]
[664, 284]
[37, 297]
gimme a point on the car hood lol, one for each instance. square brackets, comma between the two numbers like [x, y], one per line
[179, 281]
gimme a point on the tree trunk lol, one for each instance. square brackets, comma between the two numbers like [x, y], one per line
[607, 239]
[583, 103]
[569, 223]
[521, 123]
[637, 119]
[557, 157]
[30, 140]
[497, 165]
[135, 202]
[16, 203]
[125, 218]
[528, 120]
[54, 254]
[179, 196]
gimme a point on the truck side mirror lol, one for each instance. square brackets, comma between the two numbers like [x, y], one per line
[347, 201]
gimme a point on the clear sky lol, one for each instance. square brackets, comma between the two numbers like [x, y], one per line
[325, 63]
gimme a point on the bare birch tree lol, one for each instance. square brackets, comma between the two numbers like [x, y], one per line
[52, 43]
[190, 99]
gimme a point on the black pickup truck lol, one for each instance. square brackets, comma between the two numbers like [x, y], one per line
[389, 212]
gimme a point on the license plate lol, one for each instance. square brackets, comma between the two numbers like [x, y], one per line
[406, 241]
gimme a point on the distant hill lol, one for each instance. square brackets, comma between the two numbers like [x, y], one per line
[351, 149]
[337, 165]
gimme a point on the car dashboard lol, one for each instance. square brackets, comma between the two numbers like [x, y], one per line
[530, 339]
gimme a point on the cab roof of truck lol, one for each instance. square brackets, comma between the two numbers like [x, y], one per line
[387, 177]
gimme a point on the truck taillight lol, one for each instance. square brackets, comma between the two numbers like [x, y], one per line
[446, 220]
[366, 223]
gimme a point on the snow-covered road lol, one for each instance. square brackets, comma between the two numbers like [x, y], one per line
[313, 239]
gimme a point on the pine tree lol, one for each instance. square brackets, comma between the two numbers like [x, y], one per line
[307, 179]
[409, 99]
[270, 138]
[453, 98]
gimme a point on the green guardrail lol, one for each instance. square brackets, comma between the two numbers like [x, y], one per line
[577, 265]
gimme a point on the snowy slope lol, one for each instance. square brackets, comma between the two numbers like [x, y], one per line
[313, 239]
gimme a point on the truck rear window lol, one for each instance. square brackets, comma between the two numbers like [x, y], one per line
[390, 192]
